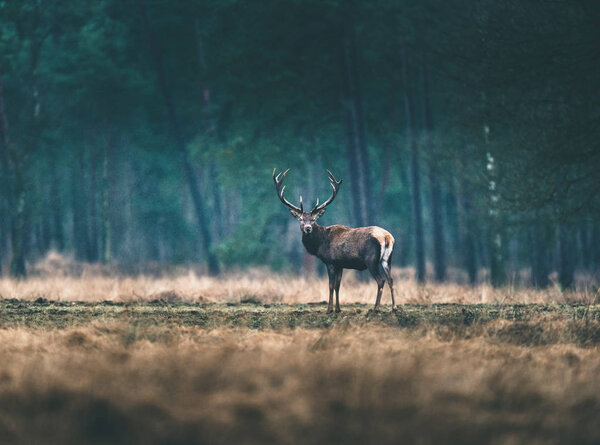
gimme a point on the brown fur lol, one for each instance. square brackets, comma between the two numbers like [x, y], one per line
[341, 247]
[346, 247]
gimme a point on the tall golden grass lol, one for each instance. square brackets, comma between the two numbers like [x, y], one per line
[61, 279]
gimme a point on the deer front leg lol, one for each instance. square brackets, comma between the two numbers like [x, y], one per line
[331, 273]
[338, 280]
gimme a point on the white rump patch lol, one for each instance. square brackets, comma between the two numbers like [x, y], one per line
[386, 251]
[386, 241]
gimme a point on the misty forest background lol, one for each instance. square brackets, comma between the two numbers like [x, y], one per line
[145, 132]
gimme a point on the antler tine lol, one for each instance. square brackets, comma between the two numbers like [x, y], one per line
[282, 174]
[278, 180]
[335, 185]
[332, 178]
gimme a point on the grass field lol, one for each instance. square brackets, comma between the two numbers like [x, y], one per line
[162, 360]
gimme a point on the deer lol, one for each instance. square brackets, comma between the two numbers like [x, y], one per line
[340, 247]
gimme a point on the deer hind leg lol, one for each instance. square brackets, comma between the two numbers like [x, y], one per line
[332, 276]
[385, 265]
[379, 276]
[338, 280]
[387, 273]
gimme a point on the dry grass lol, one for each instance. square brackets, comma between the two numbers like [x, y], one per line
[115, 383]
[268, 288]
[58, 278]
[249, 358]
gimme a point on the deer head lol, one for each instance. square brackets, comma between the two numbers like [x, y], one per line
[307, 219]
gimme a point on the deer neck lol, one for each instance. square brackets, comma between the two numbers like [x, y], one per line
[313, 240]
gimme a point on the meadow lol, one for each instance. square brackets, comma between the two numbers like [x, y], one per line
[253, 357]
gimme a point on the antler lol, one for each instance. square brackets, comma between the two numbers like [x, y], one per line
[278, 182]
[335, 185]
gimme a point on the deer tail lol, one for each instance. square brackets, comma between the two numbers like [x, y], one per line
[386, 248]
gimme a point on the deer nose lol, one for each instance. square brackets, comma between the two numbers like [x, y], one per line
[308, 229]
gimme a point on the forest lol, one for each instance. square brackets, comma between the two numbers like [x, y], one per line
[143, 133]
[154, 289]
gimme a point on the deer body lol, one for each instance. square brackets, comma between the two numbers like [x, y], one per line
[348, 248]
[341, 247]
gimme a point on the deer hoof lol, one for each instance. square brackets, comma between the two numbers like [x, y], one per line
[338, 310]
[394, 309]
[329, 310]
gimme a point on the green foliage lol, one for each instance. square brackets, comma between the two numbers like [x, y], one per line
[257, 85]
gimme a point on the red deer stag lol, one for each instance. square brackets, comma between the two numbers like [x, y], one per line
[341, 247]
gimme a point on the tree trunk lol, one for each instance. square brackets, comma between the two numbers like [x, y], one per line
[213, 264]
[437, 224]
[389, 146]
[495, 235]
[566, 260]
[57, 225]
[17, 263]
[7, 203]
[595, 245]
[585, 239]
[3, 228]
[539, 254]
[80, 216]
[13, 170]
[106, 221]
[356, 140]
[46, 222]
[92, 255]
[210, 131]
[466, 230]
[452, 224]
[437, 216]
[402, 255]
[417, 211]
[217, 207]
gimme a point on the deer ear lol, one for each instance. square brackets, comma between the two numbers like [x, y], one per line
[319, 213]
[295, 213]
